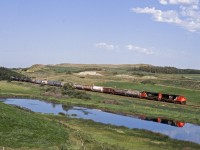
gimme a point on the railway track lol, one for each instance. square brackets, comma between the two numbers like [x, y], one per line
[195, 106]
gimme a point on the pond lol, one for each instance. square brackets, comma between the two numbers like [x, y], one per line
[171, 128]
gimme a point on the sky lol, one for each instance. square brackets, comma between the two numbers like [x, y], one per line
[157, 32]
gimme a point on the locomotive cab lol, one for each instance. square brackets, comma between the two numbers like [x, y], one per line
[180, 124]
[143, 94]
[181, 99]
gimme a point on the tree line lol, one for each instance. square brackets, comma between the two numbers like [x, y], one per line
[5, 74]
[165, 70]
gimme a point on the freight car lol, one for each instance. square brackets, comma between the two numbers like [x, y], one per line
[120, 92]
[78, 86]
[97, 88]
[133, 93]
[38, 81]
[54, 83]
[44, 82]
[87, 87]
[108, 90]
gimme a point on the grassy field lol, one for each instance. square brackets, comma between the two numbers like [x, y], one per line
[80, 133]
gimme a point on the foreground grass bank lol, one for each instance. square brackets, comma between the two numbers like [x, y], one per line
[20, 129]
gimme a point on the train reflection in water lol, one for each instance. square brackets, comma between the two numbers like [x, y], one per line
[163, 121]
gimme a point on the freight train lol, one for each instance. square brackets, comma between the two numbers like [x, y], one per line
[163, 121]
[172, 98]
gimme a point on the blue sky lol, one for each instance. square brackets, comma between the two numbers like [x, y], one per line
[158, 32]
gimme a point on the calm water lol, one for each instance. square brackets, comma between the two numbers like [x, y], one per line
[174, 129]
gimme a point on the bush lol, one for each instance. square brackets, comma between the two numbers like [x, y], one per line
[71, 92]
[152, 82]
[5, 74]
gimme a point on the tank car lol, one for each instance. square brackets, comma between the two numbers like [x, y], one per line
[97, 88]
[78, 86]
[108, 90]
[87, 87]
[132, 93]
[120, 92]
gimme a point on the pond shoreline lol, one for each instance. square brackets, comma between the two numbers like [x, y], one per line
[55, 101]
[185, 131]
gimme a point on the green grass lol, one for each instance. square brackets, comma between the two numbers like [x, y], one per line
[97, 136]
[19, 128]
[12, 88]
[193, 76]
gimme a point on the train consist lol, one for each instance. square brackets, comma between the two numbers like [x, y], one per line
[134, 93]
[172, 98]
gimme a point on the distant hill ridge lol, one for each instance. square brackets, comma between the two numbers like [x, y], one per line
[129, 67]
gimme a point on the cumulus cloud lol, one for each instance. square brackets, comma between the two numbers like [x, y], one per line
[187, 16]
[138, 49]
[169, 16]
[106, 46]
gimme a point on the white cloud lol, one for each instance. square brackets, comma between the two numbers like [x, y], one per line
[177, 2]
[106, 46]
[187, 16]
[139, 49]
[169, 16]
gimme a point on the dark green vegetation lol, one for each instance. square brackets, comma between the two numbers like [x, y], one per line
[81, 133]
[72, 93]
[167, 70]
[5, 74]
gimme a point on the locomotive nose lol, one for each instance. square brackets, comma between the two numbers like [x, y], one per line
[181, 99]
[180, 124]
